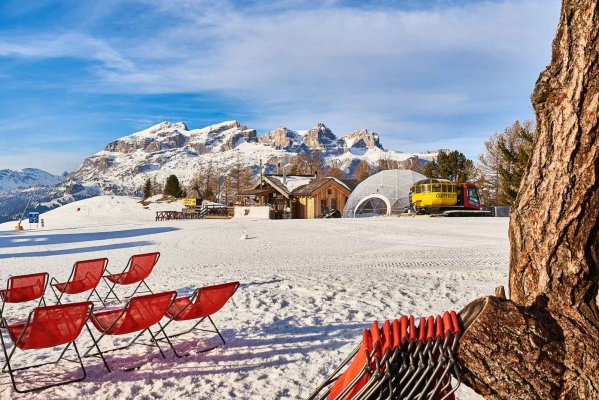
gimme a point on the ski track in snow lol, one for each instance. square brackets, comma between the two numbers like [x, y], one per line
[308, 287]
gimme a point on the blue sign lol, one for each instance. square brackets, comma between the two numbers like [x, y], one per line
[34, 218]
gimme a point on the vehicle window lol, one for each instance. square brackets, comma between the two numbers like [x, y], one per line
[426, 188]
[436, 187]
[473, 196]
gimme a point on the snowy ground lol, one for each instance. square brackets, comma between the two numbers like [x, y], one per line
[308, 287]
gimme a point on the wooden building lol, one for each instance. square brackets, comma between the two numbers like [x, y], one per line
[310, 200]
[298, 196]
[275, 191]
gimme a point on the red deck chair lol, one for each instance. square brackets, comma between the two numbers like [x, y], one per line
[138, 315]
[138, 269]
[202, 304]
[85, 276]
[47, 327]
[22, 288]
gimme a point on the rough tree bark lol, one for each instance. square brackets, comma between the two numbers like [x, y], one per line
[543, 343]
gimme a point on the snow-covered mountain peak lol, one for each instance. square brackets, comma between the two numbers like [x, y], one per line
[171, 148]
[25, 178]
[362, 139]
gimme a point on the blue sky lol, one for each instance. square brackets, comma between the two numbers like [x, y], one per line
[425, 74]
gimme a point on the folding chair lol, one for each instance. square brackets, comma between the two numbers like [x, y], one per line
[85, 276]
[399, 361]
[137, 269]
[203, 303]
[22, 288]
[47, 327]
[138, 315]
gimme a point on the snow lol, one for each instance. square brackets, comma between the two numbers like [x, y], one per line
[25, 178]
[293, 182]
[308, 287]
[170, 148]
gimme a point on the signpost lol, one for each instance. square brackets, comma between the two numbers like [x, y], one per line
[34, 218]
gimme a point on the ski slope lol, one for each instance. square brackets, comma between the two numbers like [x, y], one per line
[308, 287]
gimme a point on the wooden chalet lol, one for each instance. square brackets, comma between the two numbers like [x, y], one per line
[309, 201]
[298, 196]
[275, 191]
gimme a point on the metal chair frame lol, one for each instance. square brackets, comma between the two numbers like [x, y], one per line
[172, 318]
[8, 357]
[112, 285]
[100, 353]
[416, 369]
[54, 281]
[3, 298]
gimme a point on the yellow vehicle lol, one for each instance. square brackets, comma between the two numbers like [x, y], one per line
[432, 196]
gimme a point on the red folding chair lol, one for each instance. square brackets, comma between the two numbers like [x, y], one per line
[85, 276]
[47, 327]
[138, 315]
[22, 288]
[138, 269]
[202, 304]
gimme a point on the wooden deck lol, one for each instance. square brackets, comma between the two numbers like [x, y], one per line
[211, 211]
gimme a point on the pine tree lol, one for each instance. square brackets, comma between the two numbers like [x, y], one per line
[451, 165]
[514, 147]
[173, 188]
[147, 188]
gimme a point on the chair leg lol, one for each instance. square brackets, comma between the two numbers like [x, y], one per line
[168, 340]
[143, 282]
[217, 331]
[55, 295]
[156, 341]
[7, 361]
[110, 290]
[193, 328]
[97, 295]
[11, 371]
[97, 346]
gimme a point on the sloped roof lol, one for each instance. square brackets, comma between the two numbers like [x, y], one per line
[307, 190]
[291, 182]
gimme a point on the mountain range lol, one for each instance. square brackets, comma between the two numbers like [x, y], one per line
[172, 148]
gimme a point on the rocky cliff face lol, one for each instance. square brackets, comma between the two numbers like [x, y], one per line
[362, 139]
[171, 148]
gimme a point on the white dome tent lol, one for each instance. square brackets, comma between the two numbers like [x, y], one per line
[384, 193]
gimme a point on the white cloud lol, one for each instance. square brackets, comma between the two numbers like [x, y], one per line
[72, 44]
[395, 71]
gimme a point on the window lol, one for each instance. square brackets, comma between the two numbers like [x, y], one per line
[330, 191]
[473, 196]
[334, 203]
[436, 187]
[323, 204]
[426, 188]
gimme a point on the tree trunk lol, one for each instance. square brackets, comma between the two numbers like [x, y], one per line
[543, 343]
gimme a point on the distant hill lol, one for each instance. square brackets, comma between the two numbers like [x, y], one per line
[26, 178]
